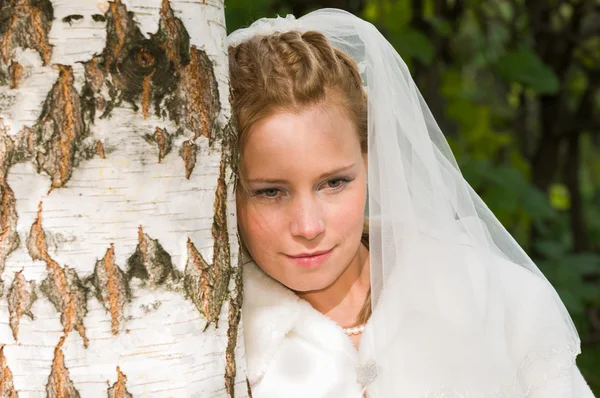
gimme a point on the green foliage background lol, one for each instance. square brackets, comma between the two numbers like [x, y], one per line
[515, 86]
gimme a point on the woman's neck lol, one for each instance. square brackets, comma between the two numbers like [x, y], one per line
[343, 299]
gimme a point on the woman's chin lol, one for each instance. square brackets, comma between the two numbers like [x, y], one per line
[316, 283]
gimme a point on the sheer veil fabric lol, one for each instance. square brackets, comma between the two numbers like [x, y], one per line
[459, 309]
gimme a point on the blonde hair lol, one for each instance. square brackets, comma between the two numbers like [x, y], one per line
[289, 72]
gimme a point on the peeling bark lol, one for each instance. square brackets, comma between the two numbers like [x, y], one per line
[196, 103]
[9, 238]
[111, 287]
[21, 297]
[152, 263]
[59, 383]
[7, 388]
[25, 24]
[188, 153]
[100, 149]
[163, 139]
[14, 149]
[119, 390]
[65, 290]
[145, 57]
[60, 130]
[7, 147]
[198, 97]
[87, 145]
[206, 283]
[235, 311]
[62, 286]
[198, 283]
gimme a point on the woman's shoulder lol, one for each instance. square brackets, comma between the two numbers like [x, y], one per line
[284, 337]
[269, 312]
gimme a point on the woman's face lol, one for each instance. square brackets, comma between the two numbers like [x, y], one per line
[302, 212]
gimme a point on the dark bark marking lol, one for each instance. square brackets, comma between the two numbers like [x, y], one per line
[149, 72]
[91, 94]
[62, 286]
[7, 387]
[139, 68]
[21, 297]
[26, 24]
[99, 18]
[59, 382]
[119, 389]
[16, 71]
[248, 388]
[207, 284]
[4, 74]
[121, 31]
[70, 18]
[172, 36]
[111, 287]
[151, 263]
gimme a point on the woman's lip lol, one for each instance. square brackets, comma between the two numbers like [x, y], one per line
[309, 254]
[310, 260]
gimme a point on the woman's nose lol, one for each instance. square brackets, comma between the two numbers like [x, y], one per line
[307, 220]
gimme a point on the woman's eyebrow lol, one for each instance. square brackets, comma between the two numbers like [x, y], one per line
[337, 171]
[283, 181]
[266, 181]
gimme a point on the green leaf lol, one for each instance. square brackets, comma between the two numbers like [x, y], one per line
[560, 197]
[525, 67]
[551, 248]
[583, 263]
[414, 44]
[441, 26]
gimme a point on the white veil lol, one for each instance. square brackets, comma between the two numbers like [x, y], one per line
[459, 309]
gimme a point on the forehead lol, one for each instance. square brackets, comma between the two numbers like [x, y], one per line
[316, 137]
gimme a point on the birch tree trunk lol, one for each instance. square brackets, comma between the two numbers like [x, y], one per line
[118, 249]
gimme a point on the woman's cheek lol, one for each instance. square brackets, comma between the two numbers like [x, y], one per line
[347, 216]
[262, 231]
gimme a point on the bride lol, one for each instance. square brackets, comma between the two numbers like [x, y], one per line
[373, 268]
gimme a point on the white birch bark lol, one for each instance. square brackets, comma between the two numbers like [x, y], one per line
[118, 248]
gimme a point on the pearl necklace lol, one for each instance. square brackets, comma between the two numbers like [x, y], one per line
[355, 330]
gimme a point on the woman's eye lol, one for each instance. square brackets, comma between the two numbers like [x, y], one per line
[268, 193]
[335, 183]
[271, 193]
